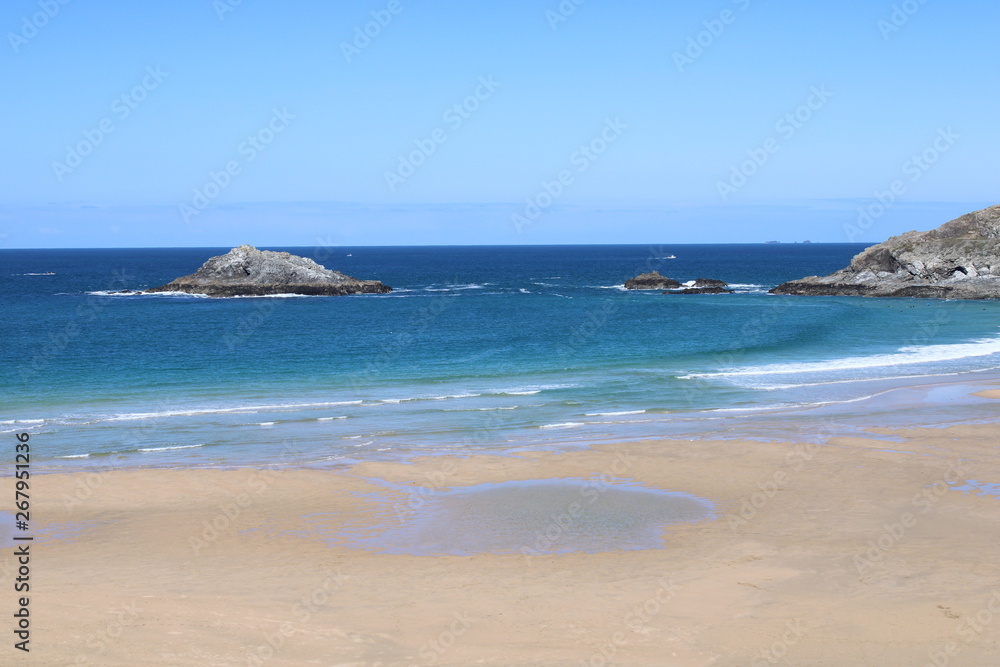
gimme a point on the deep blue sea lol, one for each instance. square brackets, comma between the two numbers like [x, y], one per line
[477, 348]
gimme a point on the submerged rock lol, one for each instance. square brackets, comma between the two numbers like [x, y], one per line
[651, 280]
[701, 290]
[247, 271]
[958, 260]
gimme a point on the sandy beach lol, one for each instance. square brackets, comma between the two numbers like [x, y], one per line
[864, 551]
[555, 334]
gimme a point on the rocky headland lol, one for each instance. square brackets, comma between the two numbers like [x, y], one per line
[247, 271]
[958, 260]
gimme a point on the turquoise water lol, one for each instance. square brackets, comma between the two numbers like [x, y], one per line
[478, 348]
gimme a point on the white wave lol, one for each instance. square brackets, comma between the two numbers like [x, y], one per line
[45, 273]
[141, 293]
[746, 286]
[880, 378]
[450, 288]
[173, 294]
[408, 399]
[326, 419]
[328, 403]
[285, 295]
[74, 456]
[531, 390]
[615, 414]
[247, 409]
[163, 449]
[759, 408]
[524, 291]
[102, 292]
[786, 406]
[288, 295]
[563, 425]
[913, 354]
[22, 421]
[620, 288]
[619, 421]
[267, 423]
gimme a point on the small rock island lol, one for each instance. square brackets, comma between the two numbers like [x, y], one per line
[958, 260]
[247, 271]
[653, 280]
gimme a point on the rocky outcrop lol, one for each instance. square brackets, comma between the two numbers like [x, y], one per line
[651, 280]
[246, 271]
[958, 260]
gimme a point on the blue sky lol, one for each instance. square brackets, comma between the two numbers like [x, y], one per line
[214, 123]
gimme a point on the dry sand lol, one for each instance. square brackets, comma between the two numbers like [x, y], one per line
[843, 554]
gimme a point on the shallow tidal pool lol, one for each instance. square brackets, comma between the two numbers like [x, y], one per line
[534, 517]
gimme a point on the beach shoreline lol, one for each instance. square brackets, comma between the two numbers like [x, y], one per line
[875, 549]
[935, 400]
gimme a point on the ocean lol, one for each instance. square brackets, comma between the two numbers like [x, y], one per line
[476, 349]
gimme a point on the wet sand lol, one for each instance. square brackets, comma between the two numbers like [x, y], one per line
[864, 551]
[989, 393]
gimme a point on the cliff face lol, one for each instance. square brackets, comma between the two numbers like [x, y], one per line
[958, 260]
[246, 271]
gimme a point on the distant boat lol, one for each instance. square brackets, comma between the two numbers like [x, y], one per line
[668, 257]
[772, 241]
[350, 255]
